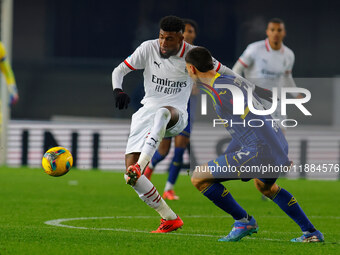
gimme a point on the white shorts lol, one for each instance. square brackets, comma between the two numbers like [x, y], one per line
[141, 124]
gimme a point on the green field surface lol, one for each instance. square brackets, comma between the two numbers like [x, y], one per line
[103, 215]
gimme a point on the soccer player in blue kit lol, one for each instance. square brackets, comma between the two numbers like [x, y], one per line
[251, 146]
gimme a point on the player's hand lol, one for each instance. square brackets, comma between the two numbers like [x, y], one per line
[13, 94]
[122, 99]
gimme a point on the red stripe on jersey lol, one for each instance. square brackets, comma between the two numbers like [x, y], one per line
[218, 67]
[182, 53]
[244, 64]
[129, 66]
[267, 46]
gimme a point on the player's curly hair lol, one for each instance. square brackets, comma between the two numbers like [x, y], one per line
[201, 58]
[172, 24]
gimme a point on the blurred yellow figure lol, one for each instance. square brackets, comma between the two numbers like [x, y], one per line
[9, 76]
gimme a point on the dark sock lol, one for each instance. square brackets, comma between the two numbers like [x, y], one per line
[176, 164]
[221, 197]
[290, 206]
[157, 158]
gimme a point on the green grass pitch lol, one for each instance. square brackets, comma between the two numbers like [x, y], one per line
[29, 198]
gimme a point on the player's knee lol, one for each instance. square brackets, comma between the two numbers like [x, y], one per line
[266, 189]
[195, 182]
[268, 193]
[164, 112]
[200, 183]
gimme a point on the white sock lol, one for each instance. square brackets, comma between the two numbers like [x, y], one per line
[168, 186]
[143, 160]
[165, 211]
[149, 194]
[161, 120]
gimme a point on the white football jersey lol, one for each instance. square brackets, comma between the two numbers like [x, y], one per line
[266, 67]
[166, 81]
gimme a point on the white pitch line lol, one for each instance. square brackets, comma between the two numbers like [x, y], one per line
[58, 223]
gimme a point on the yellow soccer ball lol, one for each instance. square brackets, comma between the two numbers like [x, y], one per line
[57, 161]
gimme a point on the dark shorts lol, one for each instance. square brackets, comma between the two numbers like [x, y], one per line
[245, 164]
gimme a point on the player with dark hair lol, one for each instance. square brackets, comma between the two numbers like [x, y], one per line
[269, 63]
[191, 30]
[183, 139]
[167, 90]
[260, 146]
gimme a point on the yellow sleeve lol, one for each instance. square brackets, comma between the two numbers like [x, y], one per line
[5, 66]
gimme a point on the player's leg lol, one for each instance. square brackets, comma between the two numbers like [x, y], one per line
[181, 142]
[159, 155]
[143, 187]
[207, 180]
[291, 207]
[149, 194]
[165, 118]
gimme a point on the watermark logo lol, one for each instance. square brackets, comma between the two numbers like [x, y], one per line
[242, 108]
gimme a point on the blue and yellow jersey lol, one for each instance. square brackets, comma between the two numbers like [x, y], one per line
[5, 66]
[248, 136]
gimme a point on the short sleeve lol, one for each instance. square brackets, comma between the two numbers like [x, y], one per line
[138, 58]
[247, 57]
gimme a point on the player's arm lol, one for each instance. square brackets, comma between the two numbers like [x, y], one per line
[287, 78]
[245, 60]
[136, 61]
[222, 69]
[7, 71]
[238, 68]
[261, 92]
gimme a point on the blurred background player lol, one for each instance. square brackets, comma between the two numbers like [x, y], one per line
[260, 146]
[269, 63]
[182, 141]
[7, 71]
[9, 76]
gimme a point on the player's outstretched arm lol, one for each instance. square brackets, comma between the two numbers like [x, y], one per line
[136, 61]
[118, 74]
[121, 98]
[265, 94]
[238, 68]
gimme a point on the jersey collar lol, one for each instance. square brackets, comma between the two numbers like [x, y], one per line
[180, 53]
[269, 48]
[214, 79]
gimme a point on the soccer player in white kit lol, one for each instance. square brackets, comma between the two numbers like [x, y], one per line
[167, 91]
[268, 63]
